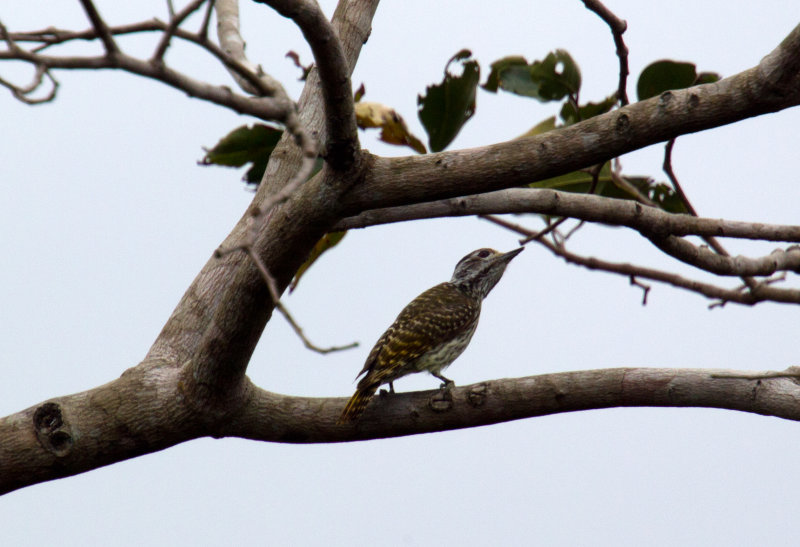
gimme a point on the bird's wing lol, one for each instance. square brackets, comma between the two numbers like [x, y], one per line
[439, 313]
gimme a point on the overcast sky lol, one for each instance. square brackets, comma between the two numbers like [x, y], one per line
[105, 218]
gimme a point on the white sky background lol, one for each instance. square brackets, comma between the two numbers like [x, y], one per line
[105, 218]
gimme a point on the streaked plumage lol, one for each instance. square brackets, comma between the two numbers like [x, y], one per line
[433, 330]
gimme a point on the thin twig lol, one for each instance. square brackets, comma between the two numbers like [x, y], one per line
[777, 278]
[706, 289]
[667, 167]
[618, 27]
[273, 291]
[281, 308]
[23, 93]
[574, 229]
[543, 232]
[272, 286]
[175, 21]
[595, 173]
[100, 26]
[203, 32]
[52, 36]
[712, 241]
[645, 288]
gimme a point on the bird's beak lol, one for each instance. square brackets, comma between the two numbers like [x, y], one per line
[506, 257]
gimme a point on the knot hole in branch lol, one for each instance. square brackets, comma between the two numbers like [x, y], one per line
[49, 424]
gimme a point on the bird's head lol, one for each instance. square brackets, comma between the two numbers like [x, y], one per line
[479, 271]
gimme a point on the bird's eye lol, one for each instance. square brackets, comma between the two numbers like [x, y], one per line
[484, 253]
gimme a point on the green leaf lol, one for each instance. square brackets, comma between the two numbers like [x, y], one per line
[244, 145]
[542, 127]
[446, 107]
[586, 111]
[500, 66]
[327, 241]
[256, 171]
[662, 76]
[706, 78]
[550, 79]
[580, 182]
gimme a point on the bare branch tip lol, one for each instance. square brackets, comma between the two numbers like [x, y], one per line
[645, 288]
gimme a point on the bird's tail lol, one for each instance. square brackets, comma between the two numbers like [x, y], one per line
[356, 405]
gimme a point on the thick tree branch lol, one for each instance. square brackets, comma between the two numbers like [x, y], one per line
[134, 415]
[139, 413]
[274, 417]
[773, 85]
[220, 318]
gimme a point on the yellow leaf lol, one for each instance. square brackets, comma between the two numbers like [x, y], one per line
[393, 127]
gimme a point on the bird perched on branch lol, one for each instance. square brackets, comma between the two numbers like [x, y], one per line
[433, 330]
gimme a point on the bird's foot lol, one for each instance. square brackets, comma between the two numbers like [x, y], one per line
[448, 385]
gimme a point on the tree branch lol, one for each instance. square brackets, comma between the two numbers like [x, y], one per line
[591, 208]
[273, 417]
[219, 320]
[773, 85]
[100, 27]
[341, 144]
[701, 257]
[712, 241]
[762, 292]
[266, 107]
[655, 224]
[134, 415]
[232, 43]
[618, 27]
[175, 21]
